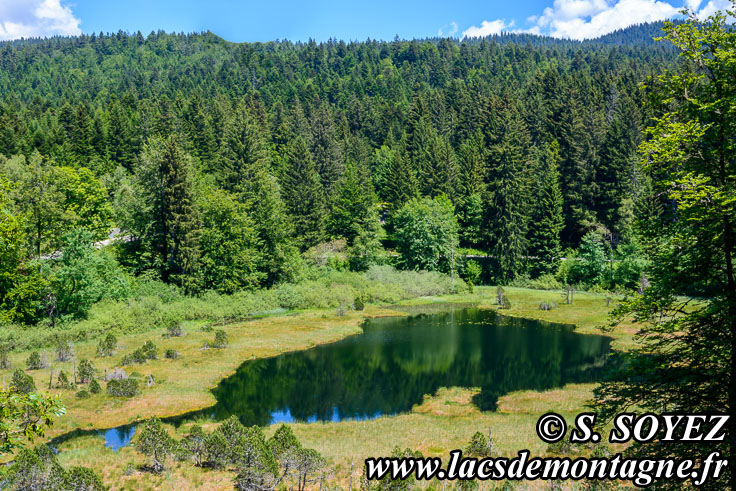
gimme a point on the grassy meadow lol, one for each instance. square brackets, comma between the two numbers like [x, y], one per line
[444, 421]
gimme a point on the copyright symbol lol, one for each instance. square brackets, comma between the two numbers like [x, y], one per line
[551, 427]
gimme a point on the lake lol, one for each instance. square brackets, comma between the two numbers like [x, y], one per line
[396, 361]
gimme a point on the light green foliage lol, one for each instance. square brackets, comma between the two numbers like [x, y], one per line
[590, 266]
[472, 272]
[84, 276]
[631, 266]
[20, 285]
[153, 441]
[24, 416]
[426, 234]
[687, 315]
[229, 245]
[57, 200]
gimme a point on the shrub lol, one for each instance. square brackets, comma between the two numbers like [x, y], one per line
[153, 441]
[82, 478]
[150, 351]
[64, 349]
[146, 352]
[479, 446]
[472, 272]
[174, 330]
[83, 394]
[62, 381]
[85, 371]
[22, 382]
[34, 361]
[107, 346]
[123, 388]
[194, 444]
[220, 339]
[94, 386]
[359, 303]
[171, 354]
[4, 356]
[547, 306]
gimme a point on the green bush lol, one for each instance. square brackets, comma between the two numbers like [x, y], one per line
[94, 386]
[85, 370]
[63, 382]
[472, 272]
[543, 282]
[141, 355]
[174, 330]
[171, 354]
[34, 361]
[220, 339]
[22, 382]
[107, 346]
[5, 357]
[123, 388]
[83, 394]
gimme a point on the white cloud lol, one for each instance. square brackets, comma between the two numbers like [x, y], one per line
[453, 30]
[36, 18]
[713, 6]
[488, 28]
[585, 19]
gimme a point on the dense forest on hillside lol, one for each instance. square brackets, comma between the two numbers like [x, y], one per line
[223, 164]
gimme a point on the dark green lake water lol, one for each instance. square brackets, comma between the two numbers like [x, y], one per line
[396, 361]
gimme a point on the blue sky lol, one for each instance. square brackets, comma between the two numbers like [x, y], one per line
[349, 20]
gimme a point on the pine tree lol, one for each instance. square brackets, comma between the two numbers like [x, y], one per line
[244, 169]
[439, 174]
[327, 151]
[352, 205]
[303, 194]
[506, 213]
[165, 181]
[547, 220]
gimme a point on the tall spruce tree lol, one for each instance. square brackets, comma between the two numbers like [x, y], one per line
[170, 224]
[506, 214]
[304, 195]
[547, 220]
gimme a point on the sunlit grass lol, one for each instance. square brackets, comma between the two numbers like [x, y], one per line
[443, 422]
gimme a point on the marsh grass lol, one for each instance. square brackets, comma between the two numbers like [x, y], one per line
[444, 421]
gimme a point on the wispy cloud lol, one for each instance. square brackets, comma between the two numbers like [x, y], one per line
[36, 18]
[584, 19]
[453, 30]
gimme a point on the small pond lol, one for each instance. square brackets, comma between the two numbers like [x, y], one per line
[396, 361]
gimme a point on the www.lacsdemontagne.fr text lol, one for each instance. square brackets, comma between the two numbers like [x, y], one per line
[639, 471]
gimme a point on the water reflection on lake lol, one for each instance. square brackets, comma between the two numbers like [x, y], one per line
[397, 360]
